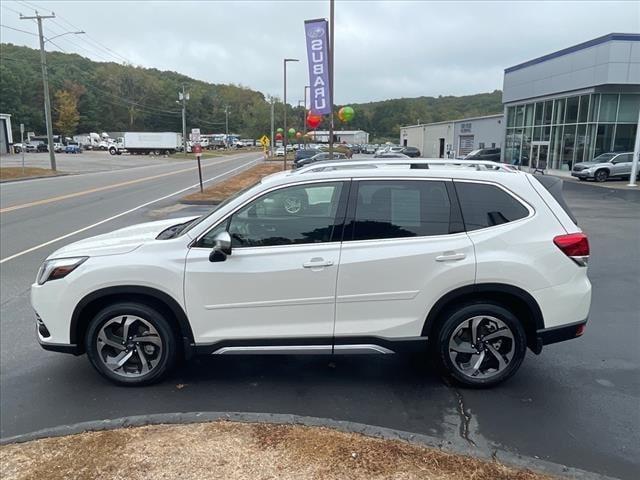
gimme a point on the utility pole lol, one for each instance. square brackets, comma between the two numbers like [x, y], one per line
[226, 123]
[183, 97]
[331, 52]
[304, 118]
[45, 84]
[273, 140]
[284, 104]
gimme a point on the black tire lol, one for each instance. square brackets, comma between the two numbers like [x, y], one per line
[158, 320]
[582, 179]
[455, 318]
[112, 151]
[601, 175]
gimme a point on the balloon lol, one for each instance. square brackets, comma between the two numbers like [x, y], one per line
[313, 120]
[278, 136]
[299, 135]
[280, 130]
[292, 132]
[346, 114]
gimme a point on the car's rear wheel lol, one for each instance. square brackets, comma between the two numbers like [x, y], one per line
[131, 344]
[481, 345]
[601, 176]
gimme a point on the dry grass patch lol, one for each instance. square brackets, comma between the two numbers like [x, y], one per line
[218, 192]
[228, 450]
[11, 173]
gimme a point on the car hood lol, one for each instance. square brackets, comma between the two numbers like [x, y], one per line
[119, 241]
[585, 165]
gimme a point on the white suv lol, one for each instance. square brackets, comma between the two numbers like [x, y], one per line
[473, 262]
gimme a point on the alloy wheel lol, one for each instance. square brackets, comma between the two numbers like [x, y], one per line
[129, 346]
[481, 347]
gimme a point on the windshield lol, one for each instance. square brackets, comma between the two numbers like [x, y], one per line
[226, 201]
[604, 158]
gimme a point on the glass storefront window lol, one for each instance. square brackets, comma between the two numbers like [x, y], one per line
[590, 141]
[584, 109]
[526, 145]
[625, 137]
[511, 117]
[559, 116]
[595, 103]
[546, 133]
[572, 110]
[604, 137]
[548, 112]
[628, 110]
[512, 150]
[554, 152]
[608, 108]
[581, 142]
[519, 115]
[528, 116]
[568, 144]
[538, 114]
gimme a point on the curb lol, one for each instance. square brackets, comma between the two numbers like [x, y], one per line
[22, 179]
[199, 202]
[508, 458]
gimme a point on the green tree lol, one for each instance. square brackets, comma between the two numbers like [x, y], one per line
[66, 107]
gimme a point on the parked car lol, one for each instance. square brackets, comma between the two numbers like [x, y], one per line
[18, 147]
[479, 265]
[605, 166]
[390, 155]
[31, 147]
[280, 152]
[73, 148]
[489, 154]
[58, 147]
[319, 157]
[42, 147]
[303, 153]
[411, 152]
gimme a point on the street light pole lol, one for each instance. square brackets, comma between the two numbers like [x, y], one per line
[45, 84]
[304, 118]
[226, 123]
[636, 154]
[273, 140]
[284, 104]
[183, 96]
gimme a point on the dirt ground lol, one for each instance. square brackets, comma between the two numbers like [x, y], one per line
[11, 173]
[218, 192]
[229, 450]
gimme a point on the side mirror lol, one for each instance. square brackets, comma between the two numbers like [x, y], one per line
[222, 247]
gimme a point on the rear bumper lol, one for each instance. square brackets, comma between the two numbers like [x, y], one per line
[547, 336]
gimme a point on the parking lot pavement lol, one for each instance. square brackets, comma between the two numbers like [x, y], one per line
[87, 161]
[575, 404]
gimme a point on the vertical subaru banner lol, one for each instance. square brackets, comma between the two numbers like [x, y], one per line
[316, 32]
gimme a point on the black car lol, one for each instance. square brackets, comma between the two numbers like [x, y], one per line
[42, 147]
[412, 152]
[319, 157]
[303, 153]
[489, 154]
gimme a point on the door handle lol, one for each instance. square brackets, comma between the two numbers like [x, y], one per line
[450, 256]
[317, 263]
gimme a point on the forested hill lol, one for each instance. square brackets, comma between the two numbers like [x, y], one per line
[92, 96]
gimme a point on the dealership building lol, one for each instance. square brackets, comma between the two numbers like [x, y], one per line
[454, 138]
[353, 137]
[559, 109]
[572, 105]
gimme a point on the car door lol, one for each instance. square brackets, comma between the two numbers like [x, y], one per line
[622, 165]
[279, 281]
[404, 248]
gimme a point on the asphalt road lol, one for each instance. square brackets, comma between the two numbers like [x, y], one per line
[576, 404]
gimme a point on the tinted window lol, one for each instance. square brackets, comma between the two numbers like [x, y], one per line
[396, 209]
[487, 205]
[292, 215]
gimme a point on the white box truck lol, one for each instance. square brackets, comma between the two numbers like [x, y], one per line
[144, 143]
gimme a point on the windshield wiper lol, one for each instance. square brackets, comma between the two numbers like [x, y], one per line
[174, 230]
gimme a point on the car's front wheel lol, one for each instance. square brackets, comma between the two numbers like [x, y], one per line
[481, 345]
[601, 176]
[131, 344]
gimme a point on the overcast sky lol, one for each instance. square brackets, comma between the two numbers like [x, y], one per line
[383, 49]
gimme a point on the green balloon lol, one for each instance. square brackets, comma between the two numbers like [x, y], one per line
[292, 132]
[346, 114]
[280, 130]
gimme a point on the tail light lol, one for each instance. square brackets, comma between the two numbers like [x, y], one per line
[575, 246]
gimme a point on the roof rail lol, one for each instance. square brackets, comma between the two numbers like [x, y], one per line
[377, 162]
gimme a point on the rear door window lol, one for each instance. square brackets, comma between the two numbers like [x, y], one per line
[400, 208]
[486, 205]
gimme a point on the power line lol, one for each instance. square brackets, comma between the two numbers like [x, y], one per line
[10, 9]
[18, 30]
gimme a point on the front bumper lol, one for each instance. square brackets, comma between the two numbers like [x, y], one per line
[581, 174]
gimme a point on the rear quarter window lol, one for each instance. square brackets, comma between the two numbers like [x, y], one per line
[486, 205]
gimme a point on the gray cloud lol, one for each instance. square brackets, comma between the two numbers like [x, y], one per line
[383, 49]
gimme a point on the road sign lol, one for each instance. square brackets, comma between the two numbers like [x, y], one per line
[197, 149]
[195, 134]
[264, 140]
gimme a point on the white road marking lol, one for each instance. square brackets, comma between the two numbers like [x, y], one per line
[121, 214]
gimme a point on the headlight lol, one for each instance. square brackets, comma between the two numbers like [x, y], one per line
[58, 268]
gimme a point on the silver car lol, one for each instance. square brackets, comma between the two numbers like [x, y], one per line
[605, 166]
